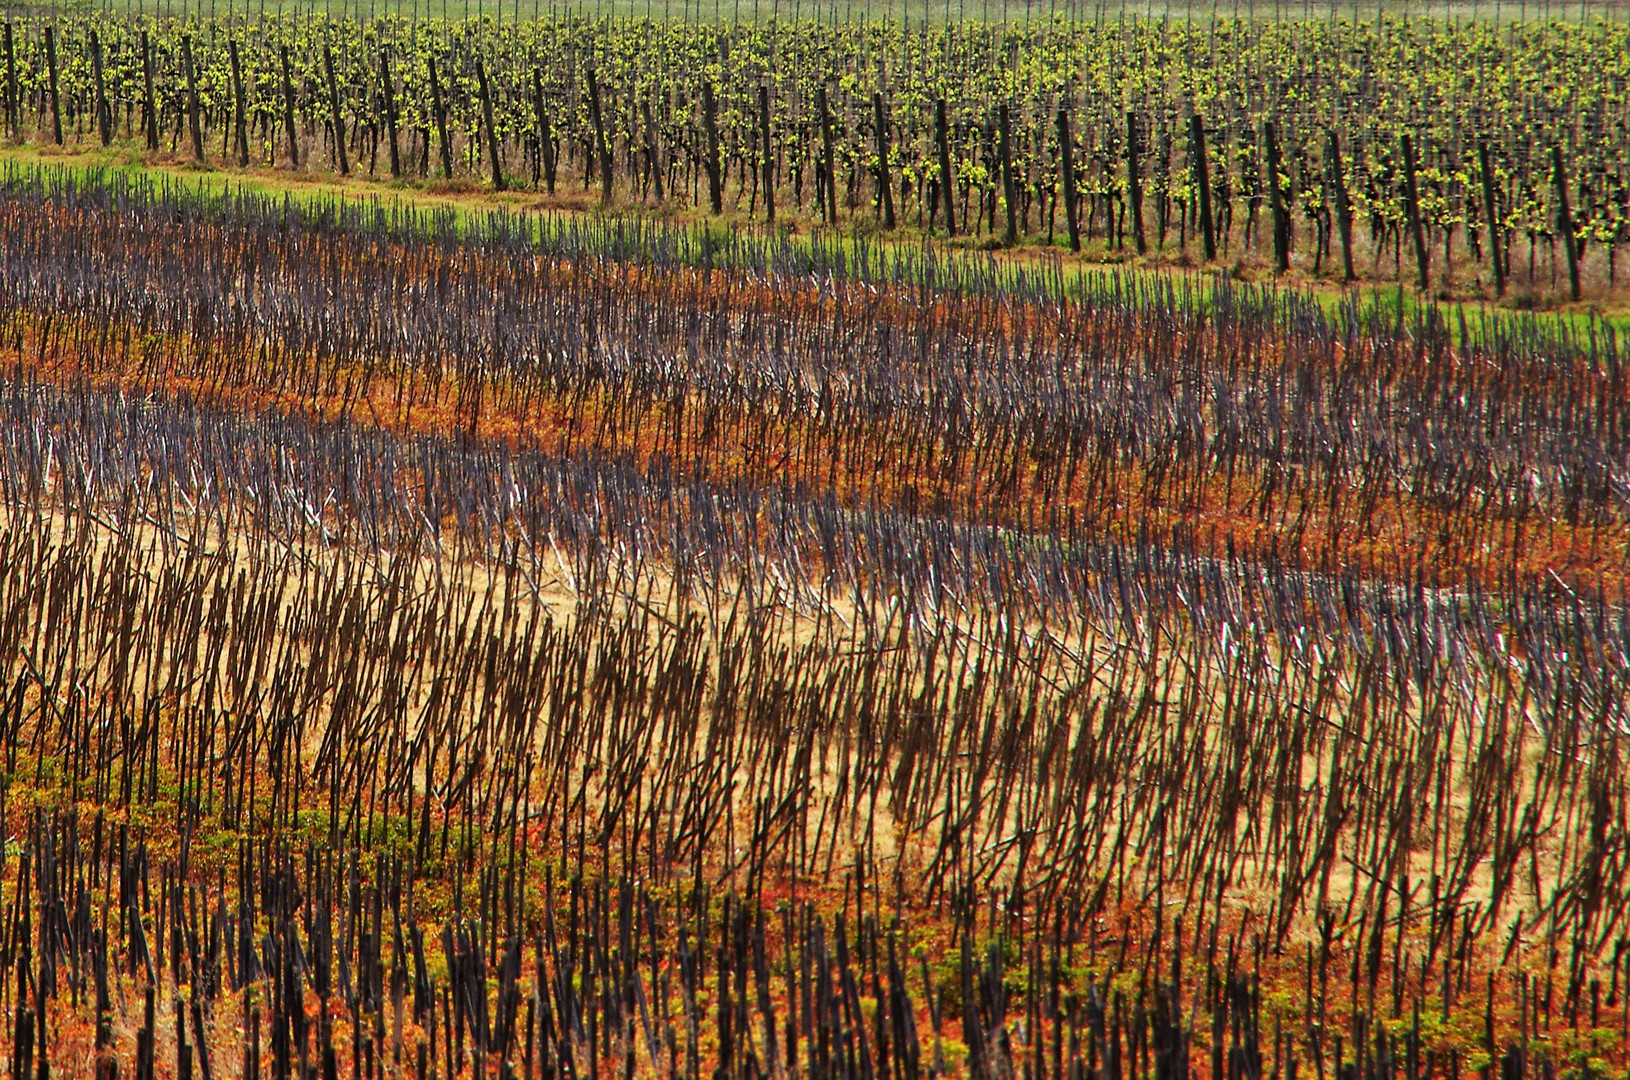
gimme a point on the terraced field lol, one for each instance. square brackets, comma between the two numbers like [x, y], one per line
[447, 638]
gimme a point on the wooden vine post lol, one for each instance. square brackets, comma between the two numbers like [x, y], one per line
[942, 144]
[1564, 220]
[22, 1042]
[1412, 210]
[1202, 181]
[1134, 180]
[1010, 190]
[144, 1037]
[251, 1054]
[183, 1051]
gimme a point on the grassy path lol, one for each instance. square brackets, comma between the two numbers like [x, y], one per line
[465, 198]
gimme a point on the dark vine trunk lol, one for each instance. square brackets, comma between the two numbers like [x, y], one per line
[12, 121]
[1564, 220]
[942, 143]
[1134, 180]
[194, 128]
[766, 153]
[1202, 181]
[602, 149]
[1490, 212]
[1344, 206]
[288, 111]
[104, 119]
[653, 155]
[885, 186]
[1412, 211]
[240, 106]
[828, 159]
[1066, 172]
[51, 72]
[1010, 190]
[388, 90]
[1276, 201]
[334, 106]
[490, 129]
[439, 108]
[546, 137]
[710, 133]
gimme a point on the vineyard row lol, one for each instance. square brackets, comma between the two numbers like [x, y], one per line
[1216, 167]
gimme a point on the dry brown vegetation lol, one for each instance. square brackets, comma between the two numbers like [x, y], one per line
[531, 651]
